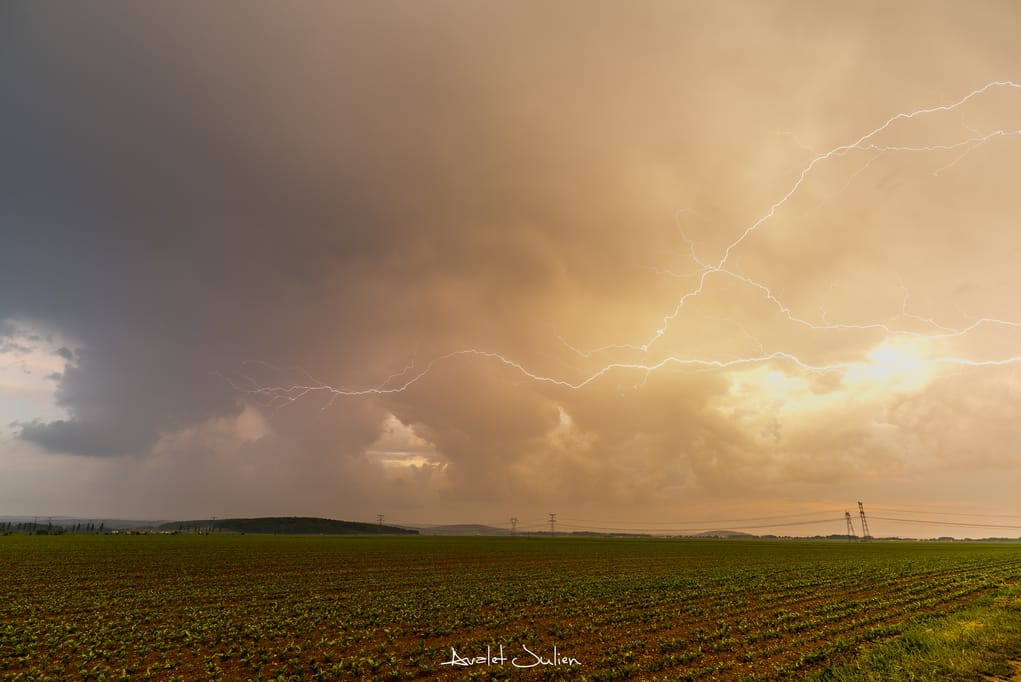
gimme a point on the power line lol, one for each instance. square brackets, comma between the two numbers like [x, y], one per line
[946, 513]
[554, 522]
[701, 528]
[959, 524]
[714, 522]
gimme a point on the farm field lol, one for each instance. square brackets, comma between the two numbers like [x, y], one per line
[232, 607]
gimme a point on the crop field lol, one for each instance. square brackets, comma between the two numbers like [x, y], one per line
[188, 607]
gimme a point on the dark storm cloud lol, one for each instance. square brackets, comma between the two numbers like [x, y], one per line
[182, 185]
[80, 437]
[142, 227]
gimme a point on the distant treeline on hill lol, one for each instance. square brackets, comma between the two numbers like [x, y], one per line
[286, 525]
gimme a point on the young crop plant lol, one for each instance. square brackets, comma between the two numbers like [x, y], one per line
[264, 608]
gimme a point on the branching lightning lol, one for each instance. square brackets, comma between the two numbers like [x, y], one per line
[905, 324]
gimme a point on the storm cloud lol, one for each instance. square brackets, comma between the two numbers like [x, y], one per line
[203, 201]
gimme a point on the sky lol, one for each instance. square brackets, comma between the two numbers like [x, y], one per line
[667, 266]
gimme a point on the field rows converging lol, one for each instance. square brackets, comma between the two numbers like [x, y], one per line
[248, 607]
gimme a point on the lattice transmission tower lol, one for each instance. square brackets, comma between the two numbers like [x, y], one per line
[865, 535]
[850, 527]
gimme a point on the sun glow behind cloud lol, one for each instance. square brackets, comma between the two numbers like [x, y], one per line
[892, 366]
[399, 447]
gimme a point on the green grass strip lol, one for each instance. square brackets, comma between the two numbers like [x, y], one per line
[981, 642]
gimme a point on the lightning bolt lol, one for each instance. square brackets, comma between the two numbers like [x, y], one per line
[863, 143]
[904, 324]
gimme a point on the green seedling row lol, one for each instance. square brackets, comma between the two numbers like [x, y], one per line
[228, 607]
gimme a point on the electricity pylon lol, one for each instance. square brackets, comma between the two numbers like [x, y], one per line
[850, 527]
[865, 535]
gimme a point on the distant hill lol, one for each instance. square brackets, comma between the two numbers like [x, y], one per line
[607, 534]
[460, 529]
[287, 525]
[464, 529]
[723, 534]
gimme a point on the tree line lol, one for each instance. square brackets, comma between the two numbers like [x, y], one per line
[36, 528]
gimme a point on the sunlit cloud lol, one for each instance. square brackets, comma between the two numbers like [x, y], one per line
[469, 262]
